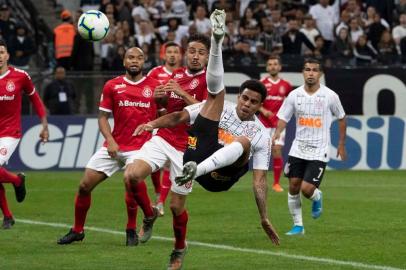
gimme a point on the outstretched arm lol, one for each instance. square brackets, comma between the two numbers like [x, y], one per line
[260, 187]
[168, 120]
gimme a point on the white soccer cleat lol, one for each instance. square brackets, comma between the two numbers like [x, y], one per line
[218, 24]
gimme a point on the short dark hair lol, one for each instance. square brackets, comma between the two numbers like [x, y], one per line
[312, 61]
[171, 44]
[275, 57]
[205, 40]
[3, 43]
[256, 86]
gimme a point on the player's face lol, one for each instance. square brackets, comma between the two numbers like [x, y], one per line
[173, 56]
[248, 104]
[273, 67]
[134, 61]
[196, 56]
[3, 56]
[312, 73]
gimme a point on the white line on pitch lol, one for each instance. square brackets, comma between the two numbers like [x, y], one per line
[231, 248]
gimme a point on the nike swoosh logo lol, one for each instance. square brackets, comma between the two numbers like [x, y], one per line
[119, 92]
[315, 180]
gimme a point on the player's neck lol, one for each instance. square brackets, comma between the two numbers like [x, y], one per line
[274, 78]
[311, 89]
[171, 68]
[3, 69]
[135, 78]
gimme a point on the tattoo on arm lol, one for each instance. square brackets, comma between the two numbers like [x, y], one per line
[260, 188]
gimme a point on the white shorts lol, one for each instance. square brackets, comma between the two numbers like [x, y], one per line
[7, 147]
[157, 152]
[102, 162]
[281, 140]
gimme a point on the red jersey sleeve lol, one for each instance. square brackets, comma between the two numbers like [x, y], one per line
[106, 99]
[35, 99]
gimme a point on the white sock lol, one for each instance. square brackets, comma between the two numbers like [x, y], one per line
[223, 157]
[295, 209]
[316, 195]
[215, 69]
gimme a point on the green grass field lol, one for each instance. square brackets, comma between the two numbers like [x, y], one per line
[362, 227]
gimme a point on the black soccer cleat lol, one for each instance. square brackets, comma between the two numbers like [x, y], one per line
[8, 222]
[131, 237]
[70, 237]
[147, 226]
[20, 190]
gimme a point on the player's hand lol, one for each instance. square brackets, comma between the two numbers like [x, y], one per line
[266, 113]
[341, 151]
[270, 231]
[112, 148]
[275, 137]
[159, 91]
[44, 135]
[143, 127]
[173, 86]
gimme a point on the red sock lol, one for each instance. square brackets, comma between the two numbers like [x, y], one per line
[165, 187]
[8, 177]
[156, 181]
[142, 198]
[82, 205]
[3, 203]
[179, 228]
[132, 208]
[277, 169]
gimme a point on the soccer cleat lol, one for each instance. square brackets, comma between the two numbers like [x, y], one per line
[148, 224]
[160, 208]
[20, 190]
[218, 24]
[296, 230]
[131, 237]
[317, 207]
[277, 188]
[70, 237]
[176, 259]
[8, 222]
[188, 173]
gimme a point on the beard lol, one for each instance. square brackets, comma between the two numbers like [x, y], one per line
[133, 72]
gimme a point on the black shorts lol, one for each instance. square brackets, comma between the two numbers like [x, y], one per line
[202, 143]
[311, 171]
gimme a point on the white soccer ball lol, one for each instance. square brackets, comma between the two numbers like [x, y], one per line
[93, 25]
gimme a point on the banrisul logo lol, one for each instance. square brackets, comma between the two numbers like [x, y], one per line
[127, 103]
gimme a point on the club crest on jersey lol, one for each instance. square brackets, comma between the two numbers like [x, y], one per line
[10, 86]
[282, 90]
[147, 92]
[194, 83]
[3, 151]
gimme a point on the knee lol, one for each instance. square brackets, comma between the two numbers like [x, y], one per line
[85, 188]
[176, 209]
[132, 176]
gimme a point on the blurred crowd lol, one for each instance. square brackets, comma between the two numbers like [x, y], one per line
[345, 32]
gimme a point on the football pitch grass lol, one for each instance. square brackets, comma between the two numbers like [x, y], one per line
[362, 227]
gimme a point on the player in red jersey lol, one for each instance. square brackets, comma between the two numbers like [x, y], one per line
[13, 84]
[188, 86]
[278, 89]
[130, 99]
[173, 61]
